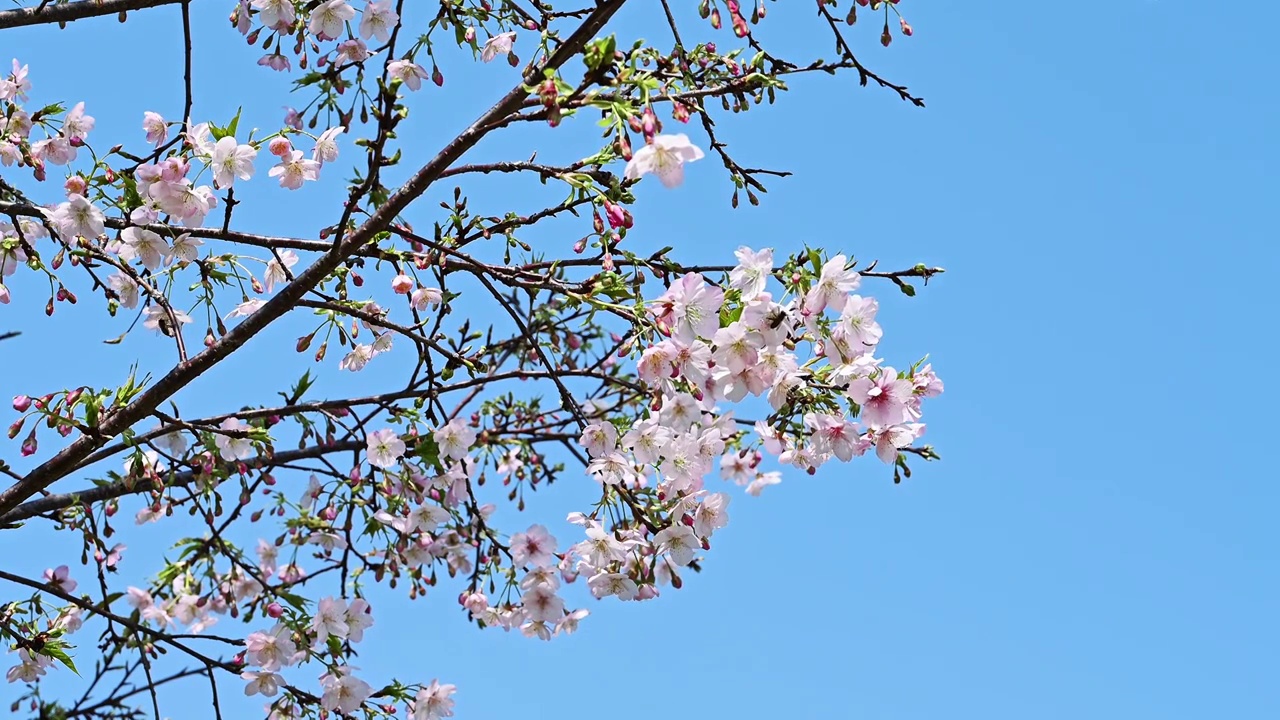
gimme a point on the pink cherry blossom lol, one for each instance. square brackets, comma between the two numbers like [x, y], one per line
[534, 547]
[385, 448]
[408, 72]
[499, 44]
[433, 702]
[276, 14]
[883, 398]
[294, 170]
[664, 157]
[378, 20]
[231, 161]
[60, 577]
[328, 19]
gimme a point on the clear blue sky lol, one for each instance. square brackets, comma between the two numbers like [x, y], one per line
[1099, 540]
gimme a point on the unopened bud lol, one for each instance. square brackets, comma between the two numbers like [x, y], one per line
[280, 146]
[75, 185]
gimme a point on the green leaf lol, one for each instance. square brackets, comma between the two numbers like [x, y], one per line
[428, 450]
[55, 651]
[235, 123]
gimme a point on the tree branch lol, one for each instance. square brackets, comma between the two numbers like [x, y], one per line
[44, 13]
[185, 372]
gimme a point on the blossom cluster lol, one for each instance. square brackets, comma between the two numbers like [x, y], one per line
[794, 343]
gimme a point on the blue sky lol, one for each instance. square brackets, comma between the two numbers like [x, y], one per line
[1098, 540]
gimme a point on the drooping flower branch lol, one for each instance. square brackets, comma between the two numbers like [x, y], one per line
[637, 376]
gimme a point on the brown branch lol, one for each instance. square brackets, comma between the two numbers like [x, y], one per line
[46, 13]
[186, 372]
[121, 488]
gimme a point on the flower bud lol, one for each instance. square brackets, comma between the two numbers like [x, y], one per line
[21, 403]
[29, 445]
[402, 284]
[280, 146]
[76, 185]
[274, 610]
[616, 214]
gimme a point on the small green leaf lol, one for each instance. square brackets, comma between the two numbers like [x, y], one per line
[55, 651]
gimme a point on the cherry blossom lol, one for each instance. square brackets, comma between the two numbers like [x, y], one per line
[234, 448]
[230, 161]
[328, 19]
[652, 375]
[455, 439]
[664, 157]
[408, 72]
[378, 20]
[276, 14]
[294, 169]
[385, 448]
[60, 577]
[433, 702]
[78, 217]
[534, 547]
[277, 269]
[266, 683]
[326, 149]
[161, 320]
[499, 44]
[343, 692]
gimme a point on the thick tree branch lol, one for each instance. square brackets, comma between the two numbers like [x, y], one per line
[184, 373]
[114, 490]
[45, 13]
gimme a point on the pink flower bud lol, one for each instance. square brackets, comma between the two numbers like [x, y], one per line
[274, 610]
[21, 403]
[470, 34]
[280, 146]
[29, 445]
[615, 213]
[402, 284]
[76, 185]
